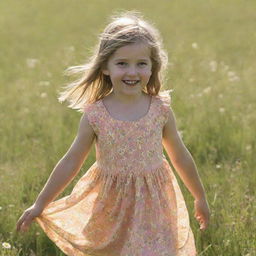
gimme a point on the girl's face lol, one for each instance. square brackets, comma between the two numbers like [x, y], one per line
[129, 68]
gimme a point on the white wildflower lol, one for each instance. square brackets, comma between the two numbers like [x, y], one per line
[222, 110]
[226, 242]
[195, 45]
[234, 78]
[213, 65]
[207, 90]
[43, 95]
[248, 147]
[218, 166]
[191, 80]
[31, 63]
[44, 83]
[6, 245]
[231, 73]
[1, 208]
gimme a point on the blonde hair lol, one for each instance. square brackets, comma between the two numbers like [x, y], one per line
[127, 28]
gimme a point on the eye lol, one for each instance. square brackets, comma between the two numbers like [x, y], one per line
[121, 63]
[143, 63]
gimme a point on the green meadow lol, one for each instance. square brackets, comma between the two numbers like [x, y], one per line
[211, 49]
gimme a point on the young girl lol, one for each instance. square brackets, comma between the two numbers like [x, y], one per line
[128, 203]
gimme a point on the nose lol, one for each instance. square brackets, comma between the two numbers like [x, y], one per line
[132, 71]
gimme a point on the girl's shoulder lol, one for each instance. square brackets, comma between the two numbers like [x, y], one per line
[164, 104]
[92, 107]
[93, 113]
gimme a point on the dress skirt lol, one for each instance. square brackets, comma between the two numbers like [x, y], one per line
[112, 214]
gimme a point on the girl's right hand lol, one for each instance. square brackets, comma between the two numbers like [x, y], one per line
[27, 217]
[202, 213]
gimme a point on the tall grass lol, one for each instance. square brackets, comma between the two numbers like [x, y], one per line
[211, 46]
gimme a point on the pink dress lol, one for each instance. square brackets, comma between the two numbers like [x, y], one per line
[129, 202]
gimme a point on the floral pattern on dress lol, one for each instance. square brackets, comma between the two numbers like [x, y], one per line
[129, 202]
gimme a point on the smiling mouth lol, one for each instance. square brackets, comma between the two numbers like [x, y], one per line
[131, 82]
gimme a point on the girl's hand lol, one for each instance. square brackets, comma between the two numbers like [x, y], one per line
[27, 217]
[202, 213]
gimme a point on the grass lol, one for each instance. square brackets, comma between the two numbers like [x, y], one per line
[211, 47]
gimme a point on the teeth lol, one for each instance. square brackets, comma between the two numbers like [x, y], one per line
[130, 82]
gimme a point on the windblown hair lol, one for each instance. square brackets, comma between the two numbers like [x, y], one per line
[127, 28]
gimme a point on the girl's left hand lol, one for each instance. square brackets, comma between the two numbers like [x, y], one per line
[202, 213]
[27, 217]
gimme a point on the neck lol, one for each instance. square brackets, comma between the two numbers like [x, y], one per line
[127, 99]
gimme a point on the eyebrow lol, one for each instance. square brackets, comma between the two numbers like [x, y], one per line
[127, 59]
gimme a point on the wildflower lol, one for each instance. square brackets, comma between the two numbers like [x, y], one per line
[191, 80]
[231, 73]
[218, 166]
[207, 90]
[213, 65]
[31, 63]
[232, 77]
[1, 208]
[222, 110]
[195, 45]
[6, 245]
[248, 147]
[44, 83]
[43, 95]
[226, 242]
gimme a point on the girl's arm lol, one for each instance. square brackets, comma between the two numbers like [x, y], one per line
[70, 164]
[65, 170]
[186, 168]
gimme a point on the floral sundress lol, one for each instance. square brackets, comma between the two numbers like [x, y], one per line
[129, 202]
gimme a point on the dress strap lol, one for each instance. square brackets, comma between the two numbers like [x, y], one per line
[165, 103]
[165, 97]
[93, 114]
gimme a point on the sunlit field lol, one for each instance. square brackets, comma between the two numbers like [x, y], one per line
[211, 48]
